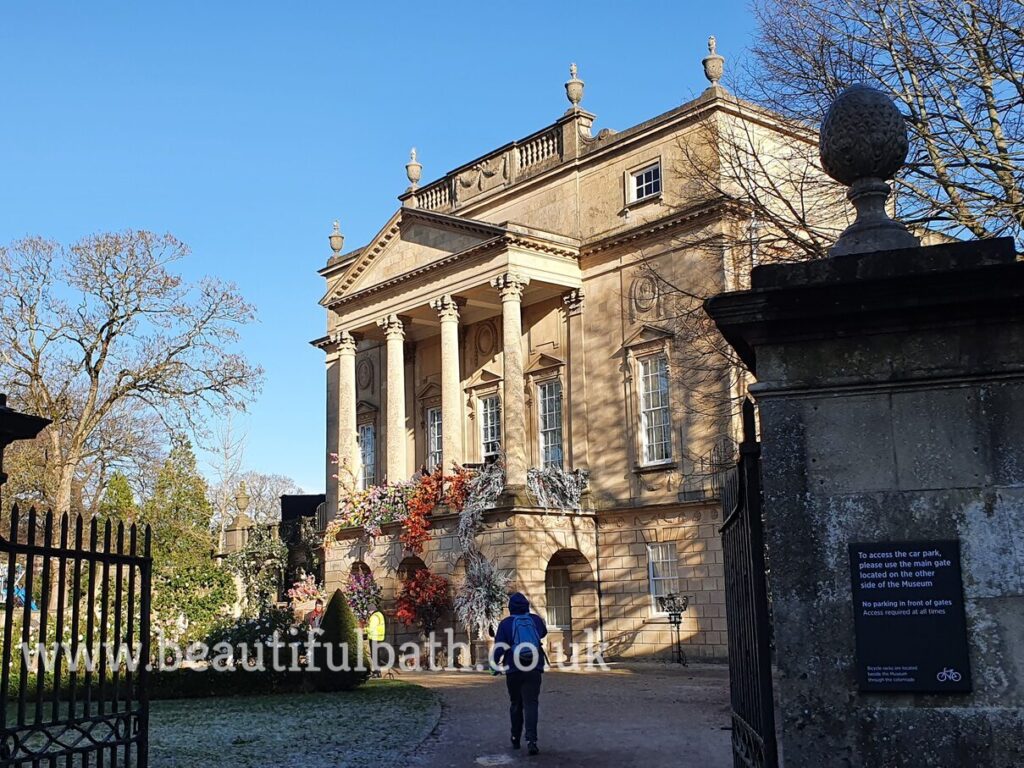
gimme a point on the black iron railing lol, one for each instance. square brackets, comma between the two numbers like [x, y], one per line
[747, 610]
[82, 605]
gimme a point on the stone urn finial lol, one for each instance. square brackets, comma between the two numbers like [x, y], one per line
[413, 170]
[714, 65]
[336, 239]
[573, 88]
[863, 142]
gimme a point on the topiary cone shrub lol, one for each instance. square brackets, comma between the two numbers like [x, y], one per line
[339, 633]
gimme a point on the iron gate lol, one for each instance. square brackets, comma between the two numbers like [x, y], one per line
[746, 601]
[81, 595]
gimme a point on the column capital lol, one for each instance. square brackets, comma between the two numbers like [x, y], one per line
[446, 306]
[392, 326]
[345, 342]
[574, 301]
[510, 286]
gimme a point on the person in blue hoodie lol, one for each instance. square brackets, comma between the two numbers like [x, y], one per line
[517, 647]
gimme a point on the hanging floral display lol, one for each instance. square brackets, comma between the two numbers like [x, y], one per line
[480, 494]
[423, 600]
[555, 488]
[305, 589]
[364, 595]
[480, 600]
[422, 501]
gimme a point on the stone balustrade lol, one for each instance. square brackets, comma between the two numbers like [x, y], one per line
[539, 148]
[505, 166]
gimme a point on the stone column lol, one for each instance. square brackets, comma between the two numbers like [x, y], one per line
[394, 425]
[577, 400]
[510, 287]
[348, 449]
[451, 382]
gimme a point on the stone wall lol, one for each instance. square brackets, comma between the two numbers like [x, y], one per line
[605, 555]
[891, 400]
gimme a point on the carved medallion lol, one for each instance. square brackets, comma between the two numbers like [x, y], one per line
[486, 336]
[644, 293]
[364, 374]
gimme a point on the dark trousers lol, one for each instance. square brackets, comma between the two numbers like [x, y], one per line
[524, 695]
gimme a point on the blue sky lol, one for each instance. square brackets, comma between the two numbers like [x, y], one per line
[245, 129]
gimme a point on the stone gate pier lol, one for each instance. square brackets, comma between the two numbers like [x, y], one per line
[891, 402]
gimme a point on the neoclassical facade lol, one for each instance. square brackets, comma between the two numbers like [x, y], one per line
[514, 307]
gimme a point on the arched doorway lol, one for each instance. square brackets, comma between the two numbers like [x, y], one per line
[570, 598]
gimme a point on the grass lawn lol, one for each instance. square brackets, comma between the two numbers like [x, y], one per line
[378, 724]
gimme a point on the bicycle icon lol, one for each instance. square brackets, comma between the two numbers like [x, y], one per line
[949, 676]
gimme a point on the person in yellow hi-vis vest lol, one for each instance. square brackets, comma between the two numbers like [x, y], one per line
[375, 632]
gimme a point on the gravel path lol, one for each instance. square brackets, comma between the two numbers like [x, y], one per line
[634, 715]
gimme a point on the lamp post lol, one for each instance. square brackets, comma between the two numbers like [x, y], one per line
[16, 426]
[675, 605]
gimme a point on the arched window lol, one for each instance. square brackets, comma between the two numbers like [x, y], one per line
[409, 566]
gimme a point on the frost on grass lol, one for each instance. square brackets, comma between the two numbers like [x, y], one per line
[379, 724]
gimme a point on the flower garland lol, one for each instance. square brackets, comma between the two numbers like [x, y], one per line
[410, 503]
[423, 499]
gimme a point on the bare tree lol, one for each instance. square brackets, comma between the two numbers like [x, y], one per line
[95, 335]
[265, 492]
[956, 70]
[229, 450]
[757, 177]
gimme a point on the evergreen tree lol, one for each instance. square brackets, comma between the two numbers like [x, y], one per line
[189, 591]
[118, 502]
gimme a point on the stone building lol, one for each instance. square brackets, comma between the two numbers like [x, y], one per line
[515, 305]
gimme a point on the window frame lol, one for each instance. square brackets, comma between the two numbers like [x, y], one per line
[653, 580]
[497, 426]
[362, 483]
[633, 176]
[549, 606]
[435, 442]
[557, 428]
[644, 410]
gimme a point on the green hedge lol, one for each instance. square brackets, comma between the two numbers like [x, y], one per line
[339, 627]
[199, 684]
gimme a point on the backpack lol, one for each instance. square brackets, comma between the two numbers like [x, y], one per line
[524, 635]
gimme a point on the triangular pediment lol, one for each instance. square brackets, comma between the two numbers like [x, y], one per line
[365, 406]
[482, 378]
[542, 362]
[412, 239]
[430, 389]
[647, 333]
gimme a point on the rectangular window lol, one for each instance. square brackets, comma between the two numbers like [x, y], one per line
[550, 396]
[367, 456]
[490, 427]
[646, 182]
[656, 426]
[556, 588]
[663, 571]
[433, 438]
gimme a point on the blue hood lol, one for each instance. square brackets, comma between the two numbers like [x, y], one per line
[518, 604]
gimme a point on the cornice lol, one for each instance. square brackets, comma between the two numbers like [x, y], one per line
[485, 248]
[680, 219]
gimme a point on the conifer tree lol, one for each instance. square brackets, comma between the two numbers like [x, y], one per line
[189, 591]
